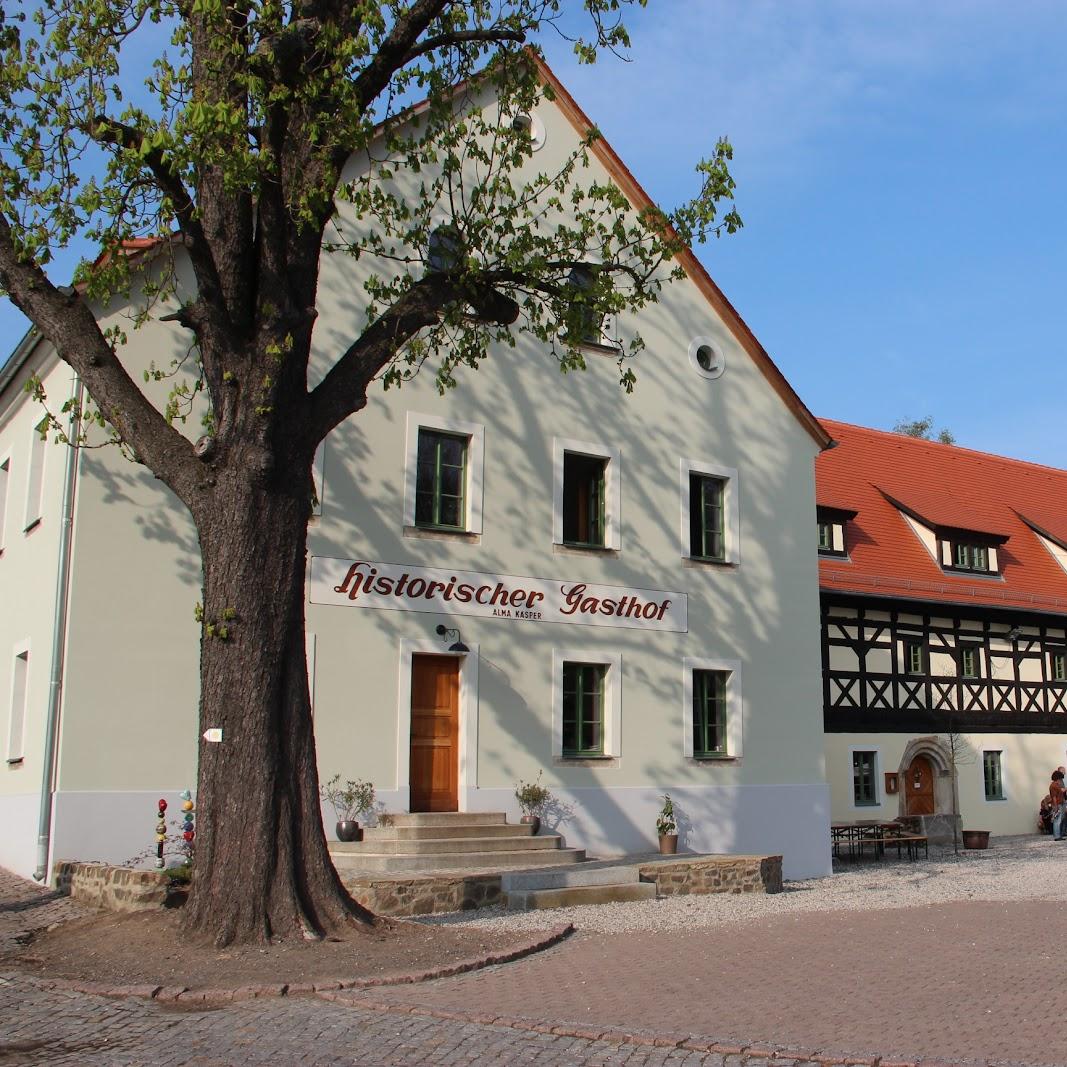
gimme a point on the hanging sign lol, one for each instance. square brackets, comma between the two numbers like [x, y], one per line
[363, 584]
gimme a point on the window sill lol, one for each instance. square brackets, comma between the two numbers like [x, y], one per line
[585, 761]
[599, 348]
[960, 572]
[585, 550]
[706, 563]
[995, 800]
[32, 525]
[699, 761]
[16, 762]
[427, 534]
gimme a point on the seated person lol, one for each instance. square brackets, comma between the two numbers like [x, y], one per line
[1044, 815]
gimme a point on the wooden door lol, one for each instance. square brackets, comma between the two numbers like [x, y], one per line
[919, 787]
[434, 767]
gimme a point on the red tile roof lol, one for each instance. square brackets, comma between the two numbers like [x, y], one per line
[945, 486]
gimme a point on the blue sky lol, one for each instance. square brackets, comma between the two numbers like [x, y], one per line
[900, 170]
[901, 173]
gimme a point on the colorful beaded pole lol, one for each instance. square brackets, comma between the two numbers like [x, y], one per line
[188, 833]
[161, 832]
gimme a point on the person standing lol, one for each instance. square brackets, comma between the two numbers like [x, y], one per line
[1057, 795]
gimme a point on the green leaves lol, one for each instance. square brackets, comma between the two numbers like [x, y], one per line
[262, 131]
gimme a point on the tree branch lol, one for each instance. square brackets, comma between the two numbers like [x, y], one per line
[344, 389]
[106, 130]
[449, 40]
[65, 319]
[400, 41]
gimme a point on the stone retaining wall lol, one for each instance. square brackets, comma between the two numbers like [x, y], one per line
[126, 889]
[719, 874]
[114, 888]
[424, 895]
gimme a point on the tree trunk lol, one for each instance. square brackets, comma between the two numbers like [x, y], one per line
[262, 866]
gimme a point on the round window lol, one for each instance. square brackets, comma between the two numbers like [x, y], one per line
[531, 126]
[707, 357]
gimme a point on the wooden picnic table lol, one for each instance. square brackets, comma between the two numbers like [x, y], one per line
[875, 835]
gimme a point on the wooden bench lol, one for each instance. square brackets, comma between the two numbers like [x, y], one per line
[912, 842]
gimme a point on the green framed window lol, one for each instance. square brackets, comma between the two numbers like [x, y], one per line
[914, 657]
[864, 792]
[970, 557]
[826, 537]
[584, 687]
[992, 775]
[968, 662]
[706, 522]
[441, 481]
[584, 486]
[1059, 666]
[709, 713]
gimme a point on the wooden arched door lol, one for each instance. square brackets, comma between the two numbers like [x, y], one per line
[919, 787]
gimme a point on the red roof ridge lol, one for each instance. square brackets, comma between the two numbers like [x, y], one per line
[907, 440]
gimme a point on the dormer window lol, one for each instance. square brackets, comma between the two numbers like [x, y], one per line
[831, 529]
[969, 555]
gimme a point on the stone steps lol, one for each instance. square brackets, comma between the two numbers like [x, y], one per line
[575, 895]
[448, 841]
[451, 830]
[421, 846]
[597, 883]
[399, 863]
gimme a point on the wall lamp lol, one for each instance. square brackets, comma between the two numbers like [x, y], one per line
[451, 634]
[1015, 633]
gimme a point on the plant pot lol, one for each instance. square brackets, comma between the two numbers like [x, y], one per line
[348, 830]
[976, 839]
[668, 844]
[532, 820]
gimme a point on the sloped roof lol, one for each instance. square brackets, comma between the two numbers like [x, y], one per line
[872, 471]
[687, 258]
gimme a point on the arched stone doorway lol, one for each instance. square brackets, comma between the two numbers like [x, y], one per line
[926, 793]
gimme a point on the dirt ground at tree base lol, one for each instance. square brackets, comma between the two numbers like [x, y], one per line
[150, 948]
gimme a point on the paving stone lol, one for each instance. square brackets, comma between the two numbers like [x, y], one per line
[643, 1001]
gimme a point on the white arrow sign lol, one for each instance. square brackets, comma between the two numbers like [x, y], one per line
[214, 734]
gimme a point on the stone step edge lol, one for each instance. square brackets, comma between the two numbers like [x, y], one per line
[416, 846]
[469, 863]
[570, 896]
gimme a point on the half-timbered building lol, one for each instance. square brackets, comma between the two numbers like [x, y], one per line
[943, 581]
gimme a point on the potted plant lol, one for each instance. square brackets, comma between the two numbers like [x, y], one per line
[349, 800]
[533, 798]
[667, 827]
[976, 839]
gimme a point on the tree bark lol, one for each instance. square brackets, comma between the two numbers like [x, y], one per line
[263, 870]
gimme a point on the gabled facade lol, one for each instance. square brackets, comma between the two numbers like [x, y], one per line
[943, 581]
[530, 575]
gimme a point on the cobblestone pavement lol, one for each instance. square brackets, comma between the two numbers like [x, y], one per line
[970, 981]
[941, 985]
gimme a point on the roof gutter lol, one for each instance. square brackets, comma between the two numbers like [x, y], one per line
[17, 360]
[59, 633]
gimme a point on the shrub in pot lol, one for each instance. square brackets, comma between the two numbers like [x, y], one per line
[349, 800]
[667, 827]
[533, 798]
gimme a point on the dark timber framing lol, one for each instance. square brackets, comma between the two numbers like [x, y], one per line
[998, 701]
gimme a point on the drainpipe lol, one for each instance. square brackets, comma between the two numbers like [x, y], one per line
[59, 640]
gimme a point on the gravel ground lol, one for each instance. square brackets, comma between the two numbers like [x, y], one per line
[1013, 868]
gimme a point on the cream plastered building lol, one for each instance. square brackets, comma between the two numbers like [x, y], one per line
[943, 576]
[534, 574]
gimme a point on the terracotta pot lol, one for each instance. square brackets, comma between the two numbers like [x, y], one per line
[532, 820]
[348, 830]
[976, 839]
[668, 844]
